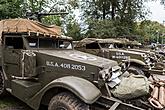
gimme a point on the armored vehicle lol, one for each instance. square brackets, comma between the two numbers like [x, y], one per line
[39, 66]
[156, 55]
[140, 62]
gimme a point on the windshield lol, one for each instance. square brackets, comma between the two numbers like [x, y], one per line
[106, 45]
[110, 45]
[49, 43]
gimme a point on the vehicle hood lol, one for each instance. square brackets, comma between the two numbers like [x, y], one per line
[81, 57]
[126, 51]
[142, 51]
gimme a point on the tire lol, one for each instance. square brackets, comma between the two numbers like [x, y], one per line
[135, 70]
[2, 84]
[67, 101]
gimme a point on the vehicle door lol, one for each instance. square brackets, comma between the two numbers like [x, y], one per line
[12, 55]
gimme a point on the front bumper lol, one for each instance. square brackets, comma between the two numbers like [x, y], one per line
[154, 70]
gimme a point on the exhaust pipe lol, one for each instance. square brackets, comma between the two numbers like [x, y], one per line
[155, 93]
[154, 99]
[162, 94]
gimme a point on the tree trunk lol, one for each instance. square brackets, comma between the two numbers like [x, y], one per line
[104, 11]
[113, 12]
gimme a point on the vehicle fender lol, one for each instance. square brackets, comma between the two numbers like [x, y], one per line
[82, 88]
[139, 62]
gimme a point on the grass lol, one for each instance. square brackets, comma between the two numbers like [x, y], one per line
[12, 103]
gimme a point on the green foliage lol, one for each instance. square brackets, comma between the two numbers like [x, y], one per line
[10, 9]
[112, 9]
[73, 30]
[52, 20]
[108, 28]
[74, 3]
[35, 5]
[101, 28]
[151, 31]
[112, 18]
[18, 8]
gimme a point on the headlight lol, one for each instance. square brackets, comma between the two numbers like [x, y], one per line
[147, 60]
[124, 65]
[111, 76]
[116, 72]
[105, 74]
[110, 73]
[144, 55]
[116, 68]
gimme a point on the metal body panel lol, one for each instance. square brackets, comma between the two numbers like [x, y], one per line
[23, 89]
[142, 58]
[137, 62]
[51, 65]
[80, 87]
[120, 55]
[79, 57]
[11, 62]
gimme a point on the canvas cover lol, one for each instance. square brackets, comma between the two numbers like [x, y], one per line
[131, 87]
[86, 41]
[111, 40]
[28, 26]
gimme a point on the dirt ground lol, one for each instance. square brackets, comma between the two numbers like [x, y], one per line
[11, 103]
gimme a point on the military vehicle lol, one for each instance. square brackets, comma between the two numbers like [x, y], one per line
[140, 62]
[40, 66]
[155, 54]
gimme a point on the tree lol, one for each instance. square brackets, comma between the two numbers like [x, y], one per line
[121, 15]
[52, 20]
[35, 5]
[10, 9]
[152, 31]
[73, 30]
[18, 8]
[111, 9]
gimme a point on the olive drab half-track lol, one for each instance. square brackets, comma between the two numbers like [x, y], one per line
[141, 62]
[40, 66]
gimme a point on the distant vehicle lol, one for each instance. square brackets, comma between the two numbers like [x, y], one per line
[141, 62]
[155, 51]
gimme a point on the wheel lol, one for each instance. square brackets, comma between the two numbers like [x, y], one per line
[2, 84]
[135, 70]
[66, 101]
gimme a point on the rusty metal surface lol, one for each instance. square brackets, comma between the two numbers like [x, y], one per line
[20, 25]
